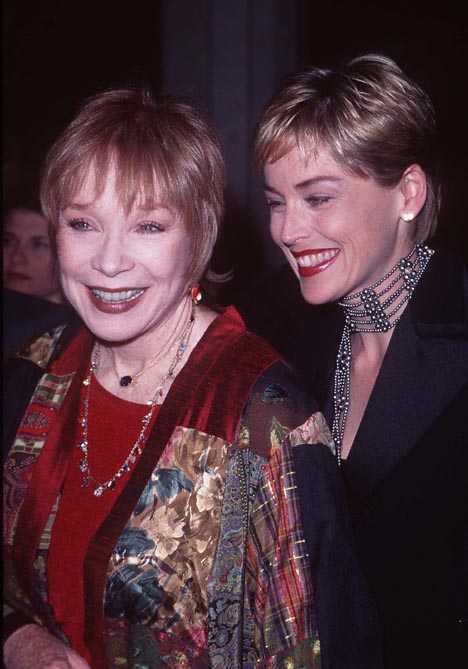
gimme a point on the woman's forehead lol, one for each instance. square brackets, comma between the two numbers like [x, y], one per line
[109, 183]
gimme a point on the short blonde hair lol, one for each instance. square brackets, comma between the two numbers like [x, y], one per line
[165, 145]
[372, 118]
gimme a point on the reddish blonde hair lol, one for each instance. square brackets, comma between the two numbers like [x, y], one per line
[162, 149]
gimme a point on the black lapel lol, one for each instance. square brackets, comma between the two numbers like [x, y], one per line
[426, 365]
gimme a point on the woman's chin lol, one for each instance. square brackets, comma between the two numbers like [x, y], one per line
[316, 296]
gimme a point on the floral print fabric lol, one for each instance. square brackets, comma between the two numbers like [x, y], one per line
[160, 567]
[193, 580]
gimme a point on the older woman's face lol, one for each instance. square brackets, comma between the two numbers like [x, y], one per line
[29, 265]
[339, 232]
[125, 274]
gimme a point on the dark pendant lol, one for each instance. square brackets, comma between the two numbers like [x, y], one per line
[125, 380]
[82, 465]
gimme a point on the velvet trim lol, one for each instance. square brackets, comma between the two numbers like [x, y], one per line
[200, 399]
[48, 477]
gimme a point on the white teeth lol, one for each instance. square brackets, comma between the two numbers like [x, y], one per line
[316, 258]
[119, 296]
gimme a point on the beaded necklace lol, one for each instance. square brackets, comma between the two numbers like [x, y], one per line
[136, 449]
[372, 311]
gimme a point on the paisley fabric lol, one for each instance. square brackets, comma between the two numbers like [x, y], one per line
[207, 564]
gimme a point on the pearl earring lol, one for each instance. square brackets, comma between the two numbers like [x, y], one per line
[408, 216]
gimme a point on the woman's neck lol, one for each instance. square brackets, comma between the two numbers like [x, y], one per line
[137, 353]
[129, 371]
[370, 317]
[379, 307]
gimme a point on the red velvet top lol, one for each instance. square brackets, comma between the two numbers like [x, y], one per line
[113, 427]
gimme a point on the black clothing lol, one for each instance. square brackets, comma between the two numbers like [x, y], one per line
[406, 476]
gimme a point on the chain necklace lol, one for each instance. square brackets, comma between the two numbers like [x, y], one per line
[137, 447]
[127, 380]
[131, 380]
[372, 311]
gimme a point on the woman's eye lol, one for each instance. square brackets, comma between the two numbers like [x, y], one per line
[150, 226]
[41, 243]
[79, 224]
[275, 204]
[317, 200]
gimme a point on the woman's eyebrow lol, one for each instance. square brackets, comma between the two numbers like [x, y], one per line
[315, 180]
[306, 183]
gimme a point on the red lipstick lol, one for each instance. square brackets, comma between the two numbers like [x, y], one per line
[113, 307]
[312, 270]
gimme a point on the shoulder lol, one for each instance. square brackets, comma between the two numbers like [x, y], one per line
[441, 296]
[279, 407]
[27, 316]
[38, 350]
[229, 354]
[276, 402]
[279, 386]
[23, 370]
[45, 348]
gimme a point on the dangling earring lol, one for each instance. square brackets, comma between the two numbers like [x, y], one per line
[408, 216]
[195, 293]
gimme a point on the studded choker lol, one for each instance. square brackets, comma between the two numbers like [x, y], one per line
[374, 309]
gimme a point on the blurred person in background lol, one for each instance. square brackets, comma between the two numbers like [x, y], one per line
[32, 297]
[29, 262]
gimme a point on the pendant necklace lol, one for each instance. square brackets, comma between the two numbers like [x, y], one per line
[137, 447]
[371, 310]
[128, 380]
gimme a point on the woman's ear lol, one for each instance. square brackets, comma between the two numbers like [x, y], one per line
[413, 187]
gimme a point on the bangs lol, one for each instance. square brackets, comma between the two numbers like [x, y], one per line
[156, 152]
[141, 178]
[272, 145]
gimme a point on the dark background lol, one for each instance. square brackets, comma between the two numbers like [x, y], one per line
[56, 53]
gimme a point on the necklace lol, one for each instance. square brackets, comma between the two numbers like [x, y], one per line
[127, 380]
[371, 310]
[137, 447]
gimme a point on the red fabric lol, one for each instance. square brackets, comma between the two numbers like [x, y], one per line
[114, 425]
[50, 471]
[198, 399]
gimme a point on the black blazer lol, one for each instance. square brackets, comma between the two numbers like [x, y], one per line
[406, 477]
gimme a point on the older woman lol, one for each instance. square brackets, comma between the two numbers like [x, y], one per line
[151, 510]
[351, 181]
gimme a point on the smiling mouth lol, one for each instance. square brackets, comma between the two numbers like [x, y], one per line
[313, 259]
[117, 296]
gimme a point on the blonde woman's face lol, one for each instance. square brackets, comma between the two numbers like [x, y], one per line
[339, 232]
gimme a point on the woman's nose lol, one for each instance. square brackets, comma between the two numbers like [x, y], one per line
[112, 257]
[18, 253]
[292, 228]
